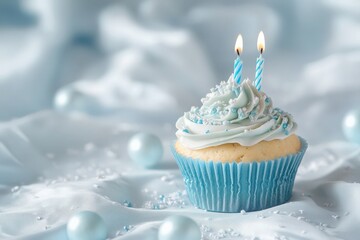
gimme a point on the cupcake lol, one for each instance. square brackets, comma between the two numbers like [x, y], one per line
[237, 152]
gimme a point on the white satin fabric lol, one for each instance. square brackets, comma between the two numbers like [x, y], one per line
[78, 78]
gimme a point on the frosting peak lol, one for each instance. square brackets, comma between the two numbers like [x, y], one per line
[233, 113]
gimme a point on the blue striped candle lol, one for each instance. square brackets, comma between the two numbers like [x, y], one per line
[238, 64]
[259, 61]
[259, 72]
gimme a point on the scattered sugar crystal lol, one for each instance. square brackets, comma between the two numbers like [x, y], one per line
[292, 214]
[301, 218]
[221, 233]
[127, 228]
[208, 234]
[324, 225]
[235, 234]
[176, 200]
[205, 228]
[167, 178]
[213, 236]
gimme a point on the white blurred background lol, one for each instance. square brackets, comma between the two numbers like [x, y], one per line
[79, 77]
[146, 62]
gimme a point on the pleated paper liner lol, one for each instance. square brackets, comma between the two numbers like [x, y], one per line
[232, 187]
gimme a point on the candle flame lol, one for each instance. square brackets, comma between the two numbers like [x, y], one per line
[239, 45]
[261, 42]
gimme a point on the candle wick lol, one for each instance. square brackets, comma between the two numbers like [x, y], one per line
[261, 50]
[237, 51]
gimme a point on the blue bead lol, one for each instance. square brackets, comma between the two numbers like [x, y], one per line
[86, 225]
[179, 228]
[74, 100]
[145, 149]
[351, 126]
[67, 98]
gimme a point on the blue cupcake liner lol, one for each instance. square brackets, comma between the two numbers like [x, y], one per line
[232, 187]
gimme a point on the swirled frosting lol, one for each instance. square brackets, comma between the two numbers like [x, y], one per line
[233, 113]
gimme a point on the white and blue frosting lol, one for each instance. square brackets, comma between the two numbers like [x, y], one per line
[233, 113]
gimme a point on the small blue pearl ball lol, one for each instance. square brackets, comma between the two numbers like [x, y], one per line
[351, 126]
[179, 228]
[70, 99]
[86, 225]
[145, 149]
